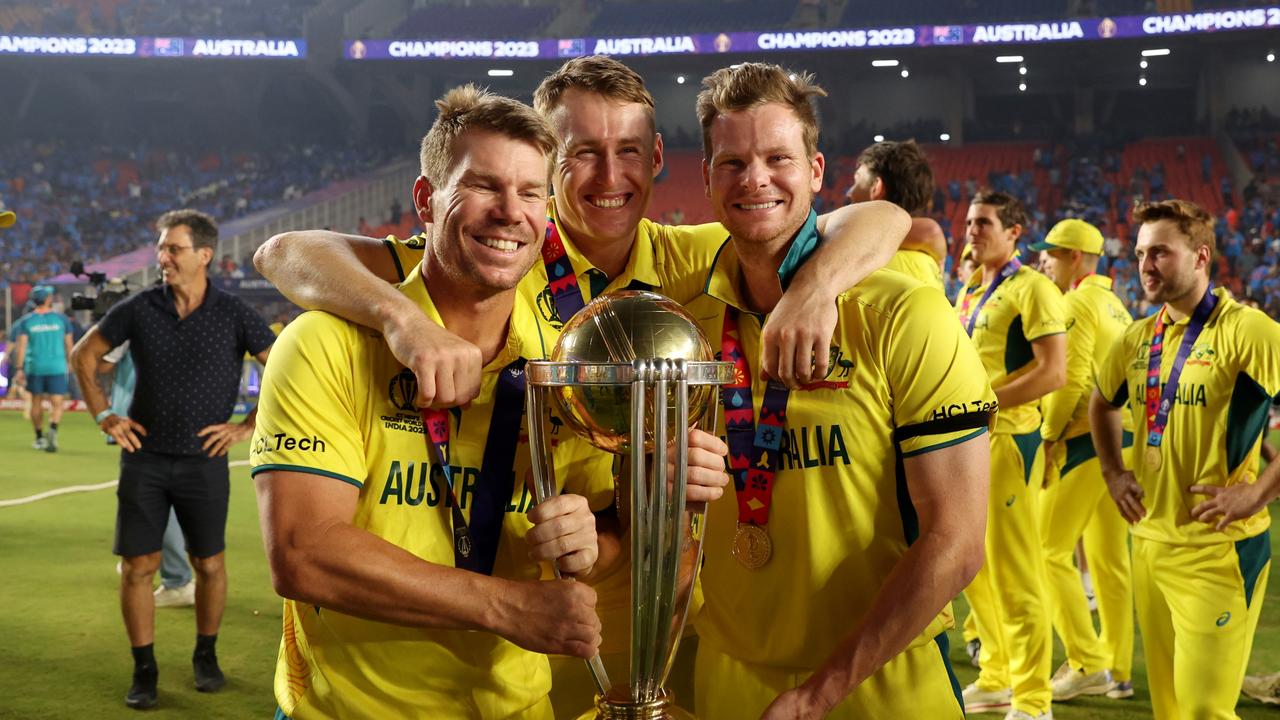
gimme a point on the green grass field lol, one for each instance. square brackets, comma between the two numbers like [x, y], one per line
[63, 651]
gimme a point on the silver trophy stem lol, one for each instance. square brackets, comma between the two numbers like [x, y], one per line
[658, 555]
[639, 527]
[544, 485]
[675, 525]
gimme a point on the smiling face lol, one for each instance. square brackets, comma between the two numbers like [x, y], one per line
[759, 177]
[1170, 267]
[609, 156]
[180, 261]
[488, 217]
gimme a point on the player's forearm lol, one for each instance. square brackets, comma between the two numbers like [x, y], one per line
[1059, 407]
[350, 570]
[320, 270]
[1037, 382]
[858, 240]
[1106, 426]
[932, 572]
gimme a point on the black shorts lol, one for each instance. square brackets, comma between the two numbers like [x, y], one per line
[195, 486]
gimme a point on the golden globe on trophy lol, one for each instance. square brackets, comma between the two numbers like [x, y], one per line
[631, 374]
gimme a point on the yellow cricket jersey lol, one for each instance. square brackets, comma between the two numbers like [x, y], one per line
[1026, 307]
[841, 517]
[1095, 320]
[1218, 418]
[669, 259]
[919, 265]
[338, 406]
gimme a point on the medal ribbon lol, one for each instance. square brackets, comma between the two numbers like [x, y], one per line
[1005, 273]
[753, 448]
[475, 547]
[561, 279]
[1159, 402]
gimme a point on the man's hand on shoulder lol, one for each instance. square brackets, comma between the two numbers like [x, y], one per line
[447, 367]
[795, 340]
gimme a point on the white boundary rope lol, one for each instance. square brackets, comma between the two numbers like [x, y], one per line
[79, 489]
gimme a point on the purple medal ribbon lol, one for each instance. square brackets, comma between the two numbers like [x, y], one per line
[1005, 273]
[1160, 401]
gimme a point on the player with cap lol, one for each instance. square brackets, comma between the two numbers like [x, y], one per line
[40, 361]
[1075, 502]
[900, 173]
[1017, 322]
[1197, 380]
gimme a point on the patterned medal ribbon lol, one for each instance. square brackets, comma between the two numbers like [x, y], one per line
[753, 448]
[561, 279]
[475, 547]
[1005, 273]
[1160, 402]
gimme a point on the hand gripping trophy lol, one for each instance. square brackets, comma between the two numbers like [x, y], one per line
[631, 373]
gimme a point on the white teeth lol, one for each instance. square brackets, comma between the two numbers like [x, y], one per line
[609, 203]
[757, 206]
[500, 244]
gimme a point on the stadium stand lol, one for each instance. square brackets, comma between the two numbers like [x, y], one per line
[464, 21]
[657, 18]
[185, 18]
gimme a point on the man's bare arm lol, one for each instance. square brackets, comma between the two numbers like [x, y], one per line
[1048, 372]
[1106, 427]
[318, 557]
[85, 357]
[857, 240]
[948, 489]
[350, 276]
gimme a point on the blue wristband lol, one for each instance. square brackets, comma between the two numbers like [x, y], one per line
[103, 415]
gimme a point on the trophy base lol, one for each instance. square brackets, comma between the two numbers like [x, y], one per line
[663, 708]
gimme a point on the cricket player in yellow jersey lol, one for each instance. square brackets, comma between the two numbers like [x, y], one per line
[859, 500]
[1016, 319]
[1197, 380]
[597, 240]
[900, 173]
[1075, 502]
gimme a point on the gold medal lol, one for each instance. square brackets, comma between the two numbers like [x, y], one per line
[752, 546]
[1154, 459]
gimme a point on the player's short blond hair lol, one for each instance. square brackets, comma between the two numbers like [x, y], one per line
[1191, 219]
[597, 74]
[469, 107]
[750, 85]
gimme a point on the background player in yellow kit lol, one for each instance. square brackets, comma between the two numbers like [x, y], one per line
[1075, 501]
[1197, 379]
[867, 484]
[900, 173]
[1017, 321]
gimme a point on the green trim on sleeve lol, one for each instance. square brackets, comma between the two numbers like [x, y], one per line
[395, 257]
[308, 470]
[947, 444]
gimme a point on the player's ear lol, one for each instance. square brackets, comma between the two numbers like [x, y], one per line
[422, 192]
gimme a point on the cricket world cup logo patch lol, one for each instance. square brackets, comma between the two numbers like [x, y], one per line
[402, 391]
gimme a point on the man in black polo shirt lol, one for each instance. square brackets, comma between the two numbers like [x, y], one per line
[188, 340]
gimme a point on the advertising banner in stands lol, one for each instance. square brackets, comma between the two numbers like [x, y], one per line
[1105, 28]
[161, 47]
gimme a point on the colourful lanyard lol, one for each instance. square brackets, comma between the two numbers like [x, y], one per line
[753, 449]
[561, 279]
[1160, 402]
[475, 547]
[1005, 273]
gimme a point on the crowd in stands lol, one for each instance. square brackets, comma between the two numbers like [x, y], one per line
[90, 203]
[176, 18]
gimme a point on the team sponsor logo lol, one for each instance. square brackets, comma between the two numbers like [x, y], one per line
[1012, 499]
[943, 412]
[280, 441]
[1223, 619]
